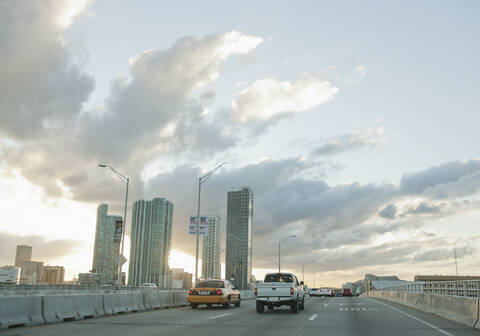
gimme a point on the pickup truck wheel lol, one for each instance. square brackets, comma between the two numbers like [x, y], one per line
[294, 307]
[302, 305]
[226, 305]
[260, 307]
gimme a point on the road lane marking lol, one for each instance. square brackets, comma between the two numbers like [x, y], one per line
[419, 320]
[326, 304]
[313, 317]
[212, 317]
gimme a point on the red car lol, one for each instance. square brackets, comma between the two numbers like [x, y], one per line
[347, 292]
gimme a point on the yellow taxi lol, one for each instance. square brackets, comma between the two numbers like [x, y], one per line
[214, 292]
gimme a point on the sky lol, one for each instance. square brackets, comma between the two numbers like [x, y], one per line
[355, 124]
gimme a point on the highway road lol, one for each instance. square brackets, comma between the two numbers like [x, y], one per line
[336, 316]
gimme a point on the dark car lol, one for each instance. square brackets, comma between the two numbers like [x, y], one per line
[347, 292]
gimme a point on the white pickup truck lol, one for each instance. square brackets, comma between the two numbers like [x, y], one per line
[280, 289]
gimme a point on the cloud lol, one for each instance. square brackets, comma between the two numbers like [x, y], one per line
[357, 74]
[41, 87]
[443, 180]
[355, 140]
[269, 98]
[389, 212]
[43, 249]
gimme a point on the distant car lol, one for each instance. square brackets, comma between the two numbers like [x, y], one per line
[313, 292]
[149, 285]
[347, 292]
[325, 292]
[214, 292]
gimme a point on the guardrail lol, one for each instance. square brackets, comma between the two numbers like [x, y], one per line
[466, 288]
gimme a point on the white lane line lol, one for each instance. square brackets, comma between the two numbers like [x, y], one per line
[313, 317]
[326, 304]
[419, 320]
[212, 317]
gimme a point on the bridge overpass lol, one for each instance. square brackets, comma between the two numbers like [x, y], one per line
[322, 316]
[156, 312]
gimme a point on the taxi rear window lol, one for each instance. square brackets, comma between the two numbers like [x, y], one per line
[278, 278]
[210, 284]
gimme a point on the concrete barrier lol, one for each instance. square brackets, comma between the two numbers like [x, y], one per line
[460, 309]
[151, 298]
[20, 311]
[135, 302]
[180, 298]
[58, 308]
[165, 298]
[115, 303]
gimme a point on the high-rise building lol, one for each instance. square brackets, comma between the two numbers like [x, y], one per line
[211, 249]
[53, 274]
[151, 241]
[107, 248]
[238, 263]
[24, 253]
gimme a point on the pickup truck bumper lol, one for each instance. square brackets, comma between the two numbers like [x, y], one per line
[275, 299]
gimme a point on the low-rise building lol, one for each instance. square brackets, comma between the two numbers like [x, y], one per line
[89, 279]
[31, 272]
[53, 274]
[10, 275]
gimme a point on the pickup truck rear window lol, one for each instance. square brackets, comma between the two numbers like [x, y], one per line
[278, 278]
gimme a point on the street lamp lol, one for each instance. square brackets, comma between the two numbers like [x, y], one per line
[201, 179]
[279, 243]
[303, 269]
[126, 180]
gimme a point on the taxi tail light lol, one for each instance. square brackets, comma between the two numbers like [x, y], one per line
[190, 292]
[291, 291]
[218, 292]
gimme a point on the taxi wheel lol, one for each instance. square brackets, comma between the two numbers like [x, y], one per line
[237, 304]
[226, 305]
[209, 305]
[194, 305]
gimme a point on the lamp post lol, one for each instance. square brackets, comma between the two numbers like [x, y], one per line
[303, 269]
[126, 180]
[201, 179]
[279, 243]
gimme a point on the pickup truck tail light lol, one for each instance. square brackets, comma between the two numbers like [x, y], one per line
[256, 291]
[291, 291]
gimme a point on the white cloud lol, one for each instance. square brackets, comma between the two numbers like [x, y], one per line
[373, 137]
[268, 98]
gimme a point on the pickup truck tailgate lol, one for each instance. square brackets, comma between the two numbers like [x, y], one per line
[278, 289]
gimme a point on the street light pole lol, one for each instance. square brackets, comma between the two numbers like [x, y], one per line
[126, 180]
[201, 179]
[279, 243]
[303, 269]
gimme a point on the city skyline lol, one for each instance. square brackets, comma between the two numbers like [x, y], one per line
[355, 125]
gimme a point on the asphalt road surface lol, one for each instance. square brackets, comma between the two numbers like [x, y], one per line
[336, 316]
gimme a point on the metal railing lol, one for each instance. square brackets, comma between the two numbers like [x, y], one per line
[465, 288]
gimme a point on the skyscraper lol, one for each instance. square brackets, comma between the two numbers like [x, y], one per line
[211, 249]
[107, 248]
[151, 240]
[238, 264]
[24, 253]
